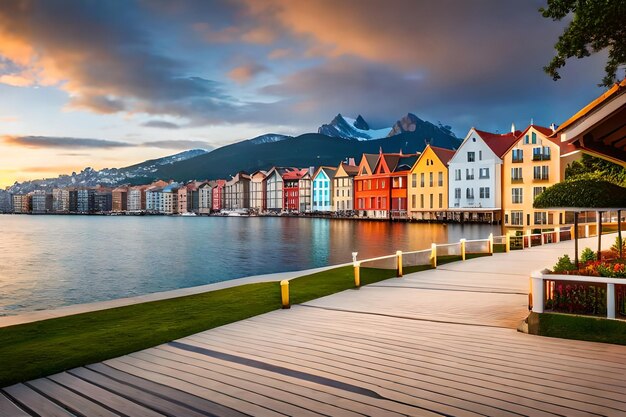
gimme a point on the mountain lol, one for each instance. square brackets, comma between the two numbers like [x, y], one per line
[89, 177]
[347, 128]
[311, 149]
[412, 123]
[268, 138]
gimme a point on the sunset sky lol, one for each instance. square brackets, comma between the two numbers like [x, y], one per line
[110, 83]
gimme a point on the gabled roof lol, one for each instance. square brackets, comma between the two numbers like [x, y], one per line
[389, 161]
[329, 171]
[565, 148]
[349, 170]
[499, 143]
[370, 160]
[443, 154]
[405, 163]
[295, 174]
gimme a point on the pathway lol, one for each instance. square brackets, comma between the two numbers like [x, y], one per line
[439, 342]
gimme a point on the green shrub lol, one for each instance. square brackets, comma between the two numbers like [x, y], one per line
[615, 247]
[588, 255]
[564, 264]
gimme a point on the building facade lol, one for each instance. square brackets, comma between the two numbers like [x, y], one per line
[169, 199]
[85, 200]
[60, 200]
[21, 203]
[154, 199]
[343, 187]
[41, 202]
[103, 200]
[6, 202]
[218, 194]
[120, 199]
[291, 189]
[205, 198]
[305, 191]
[237, 192]
[323, 189]
[274, 189]
[428, 184]
[257, 191]
[137, 199]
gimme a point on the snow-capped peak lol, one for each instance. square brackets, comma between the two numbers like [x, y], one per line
[349, 128]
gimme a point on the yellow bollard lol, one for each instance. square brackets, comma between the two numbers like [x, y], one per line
[491, 243]
[462, 249]
[530, 294]
[399, 258]
[284, 293]
[357, 274]
[507, 243]
[433, 255]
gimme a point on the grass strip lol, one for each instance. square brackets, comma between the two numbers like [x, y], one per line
[566, 326]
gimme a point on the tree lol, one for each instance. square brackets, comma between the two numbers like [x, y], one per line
[596, 25]
[591, 166]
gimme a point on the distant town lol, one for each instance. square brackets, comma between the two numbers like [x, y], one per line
[491, 178]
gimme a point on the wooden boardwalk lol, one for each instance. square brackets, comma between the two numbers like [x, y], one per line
[433, 343]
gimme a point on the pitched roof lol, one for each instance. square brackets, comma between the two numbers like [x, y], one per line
[499, 143]
[371, 159]
[405, 163]
[443, 154]
[351, 170]
[295, 174]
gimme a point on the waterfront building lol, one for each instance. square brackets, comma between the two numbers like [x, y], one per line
[205, 198]
[381, 191]
[274, 189]
[85, 200]
[428, 184]
[120, 199]
[475, 175]
[21, 203]
[237, 192]
[103, 200]
[189, 198]
[257, 191]
[343, 186]
[169, 199]
[154, 199]
[322, 189]
[291, 188]
[73, 200]
[217, 194]
[60, 200]
[6, 202]
[182, 195]
[41, 202]
[136, 199]
[305, 191]
[531, 165]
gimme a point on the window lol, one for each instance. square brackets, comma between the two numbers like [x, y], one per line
[431, 201]
[457, 193]
[471, 156]
[534, 136]
[541, 172]
[484, 192]
[413, 200]
[469, 173]
[469, 193]
[526, 141]
[537, 191]
[516, 194]
[518, 155]
[440, 179]
[440, 200]
[421, 200]
[414, 181]
[422, 179]
[480, 155]
[517, 218]
[516, 175]
[431, 179]
[546, 153]
[457, 174]
[483, 173]
[541, 217]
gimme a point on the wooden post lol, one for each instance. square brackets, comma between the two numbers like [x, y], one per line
[433, 255]
[399, 262]
[619, 233]
[507, 242]
[491, 243]
[357, 274]
[530, 237]
[284, 293]
[576, 239]
[558, 234]
[462, 249]
[610, 301]
[535, 296]
[599, 232]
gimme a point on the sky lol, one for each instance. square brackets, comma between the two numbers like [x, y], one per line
[112, 83]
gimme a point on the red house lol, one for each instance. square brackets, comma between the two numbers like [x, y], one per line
[291, 188]
[218, 194]
[381, 184]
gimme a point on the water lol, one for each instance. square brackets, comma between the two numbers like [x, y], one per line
[53, 261]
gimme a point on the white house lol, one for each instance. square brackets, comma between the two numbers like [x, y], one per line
[475, 171]
[274, 189]
[205, 198]
[322, 189]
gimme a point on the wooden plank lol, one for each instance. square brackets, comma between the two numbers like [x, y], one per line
[9, 409]
[34, 402]
[164, 391]
[71, 401]
[141, 397]
[237, 403]
[113, 401]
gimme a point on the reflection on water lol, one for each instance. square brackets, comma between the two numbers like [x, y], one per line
[52, 261]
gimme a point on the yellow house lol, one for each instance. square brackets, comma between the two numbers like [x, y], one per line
[531, 165]
[428, 184]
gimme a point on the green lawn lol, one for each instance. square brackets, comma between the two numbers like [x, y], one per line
[567, 326]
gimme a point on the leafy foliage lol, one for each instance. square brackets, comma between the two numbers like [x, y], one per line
[587, 192]
[616, 245]
[564, 264]
[588, 255]
[592, 167]
[596, 25]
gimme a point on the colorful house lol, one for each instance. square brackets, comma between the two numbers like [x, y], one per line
[257, 191]
[305, 187]
[217, 194]
[237, 192]
[205, 198]
[170, 199]
[530, 165]
[291, 188]
[274, 189]
[154, 199]
[137, 198]
[475, 175]
[120, 199]
[60, 200]
[343, 186]
[428, 184]
[322, 189]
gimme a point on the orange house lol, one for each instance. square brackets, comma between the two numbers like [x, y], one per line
[381, 185]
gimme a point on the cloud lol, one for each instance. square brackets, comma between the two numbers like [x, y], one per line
[161, 124]
[63, 142]
[280, 53]
[178, 144]
[244, 73]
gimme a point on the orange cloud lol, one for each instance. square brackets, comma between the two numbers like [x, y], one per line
[280, 53]
[245, 73]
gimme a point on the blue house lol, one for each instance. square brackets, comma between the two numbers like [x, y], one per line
[322, 189]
